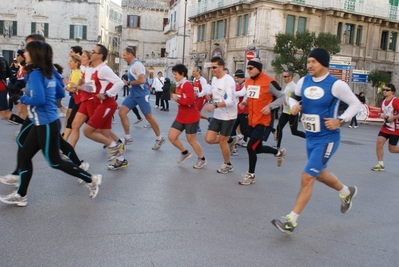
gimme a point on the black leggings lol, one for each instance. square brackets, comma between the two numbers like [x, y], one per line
[284, 118]
[46, 138]
[165, 103]
[254, 147]
[242, 120]
[74, 110]
[65, 147]
[136, 111]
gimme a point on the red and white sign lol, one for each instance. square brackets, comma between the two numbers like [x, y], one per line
[250, 55]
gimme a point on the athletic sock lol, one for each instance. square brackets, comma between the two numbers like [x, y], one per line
[381, 163]
[294, 217]
[344, 191]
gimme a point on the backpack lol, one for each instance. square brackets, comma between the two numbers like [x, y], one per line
[5, 71]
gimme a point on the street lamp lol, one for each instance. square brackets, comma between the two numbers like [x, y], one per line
[184, 30]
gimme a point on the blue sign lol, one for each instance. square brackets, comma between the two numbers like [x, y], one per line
[359, 78]
[340, 67]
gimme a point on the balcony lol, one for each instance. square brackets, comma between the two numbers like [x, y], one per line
[170, 28]
[367, 8]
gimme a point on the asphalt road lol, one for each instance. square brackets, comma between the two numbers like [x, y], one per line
[157, 212]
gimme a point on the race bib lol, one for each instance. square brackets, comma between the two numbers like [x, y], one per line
[196, 91]
[253, 91]
[311, 123]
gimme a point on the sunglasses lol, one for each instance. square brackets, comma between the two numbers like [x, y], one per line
[215, 67]
[250, 68]
[286, 76]
[94, 52]
[387, 90]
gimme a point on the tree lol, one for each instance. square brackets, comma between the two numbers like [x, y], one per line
[292, 50]
[378, 79]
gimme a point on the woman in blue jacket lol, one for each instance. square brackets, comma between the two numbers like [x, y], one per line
[41, 91]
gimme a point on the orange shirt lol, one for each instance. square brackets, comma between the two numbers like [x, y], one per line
[261, 98]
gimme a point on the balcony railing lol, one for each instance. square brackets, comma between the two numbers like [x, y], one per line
[367, 7]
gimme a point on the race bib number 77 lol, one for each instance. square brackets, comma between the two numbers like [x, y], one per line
[311, 123]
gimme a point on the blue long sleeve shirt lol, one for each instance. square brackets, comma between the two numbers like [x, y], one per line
[40, 95]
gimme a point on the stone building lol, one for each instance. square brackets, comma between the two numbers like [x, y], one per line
[368, 31]
[64, 23]
[143, 27]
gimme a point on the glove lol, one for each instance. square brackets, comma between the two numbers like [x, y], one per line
[15, 99]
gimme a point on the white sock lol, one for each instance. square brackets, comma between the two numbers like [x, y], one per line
[159, 137]
[113, 144]
[344, 191]
[128, 136]
[294, 217]
[121, 158]
[240, 136]
[381, 163]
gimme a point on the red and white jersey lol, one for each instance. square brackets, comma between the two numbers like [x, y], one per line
[105, 80]
[390, 108]
[200, 86]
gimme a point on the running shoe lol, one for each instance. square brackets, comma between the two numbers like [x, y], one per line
[241, 142]
[138, 121]
[158, 144]
[116, 151]
[248, 179]
[200, 164]
[378, 168]
[285, 224]
[117, 164]
[94, 186]
[147, 126]
[225, 168]
[234, 152]
[199, 130]
[346, 204]
[280, 156]
[10, 179]
[15, 198]
[128, 141]
[184, 157]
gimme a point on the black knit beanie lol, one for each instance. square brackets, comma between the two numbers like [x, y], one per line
[256, 63]
[321, 55]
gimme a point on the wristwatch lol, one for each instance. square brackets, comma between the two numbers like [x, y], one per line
[215, 104]
[106, 96]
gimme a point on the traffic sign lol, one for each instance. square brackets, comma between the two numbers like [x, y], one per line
[250, 55]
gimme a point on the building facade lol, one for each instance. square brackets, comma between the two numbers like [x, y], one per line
[143, 30]
[367, 29]
[64, 23]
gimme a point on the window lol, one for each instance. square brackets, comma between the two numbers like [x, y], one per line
[163, 51]
[219, 29]
[290, 26]
[359, 35]
[201, 33]
[349, 33]
[242, 25]
[384, 40]
[8, 28]
[301, 24]
[339, 31]
[392, 41]
[165, 22]
[133, 21]
[78, 32]
[40, 28]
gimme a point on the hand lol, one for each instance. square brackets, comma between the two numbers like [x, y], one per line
[332, 124]
[209, 107]
[295, 109]
[266, 110]
[242, 105]
[101, 96]
[175, 97]
[208, 97]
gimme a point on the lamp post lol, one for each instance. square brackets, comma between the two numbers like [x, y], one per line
[184, 30]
